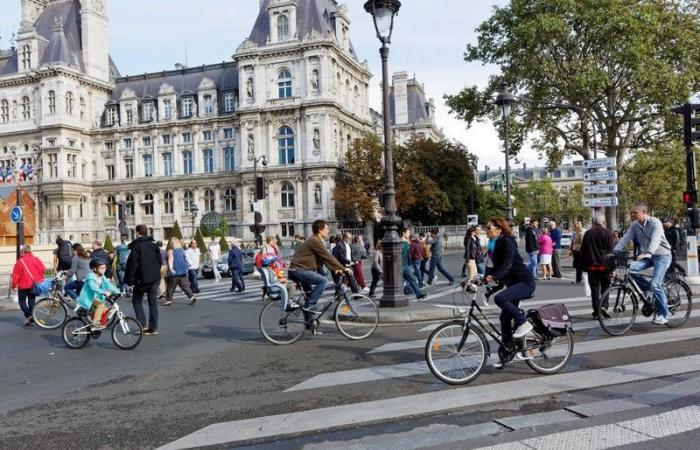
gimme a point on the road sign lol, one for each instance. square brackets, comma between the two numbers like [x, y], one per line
[600, 201]
[600, 189]
[601, 163]
[16, 214]
[600, 176]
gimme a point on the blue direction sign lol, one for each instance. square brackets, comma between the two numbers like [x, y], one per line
[16, 214]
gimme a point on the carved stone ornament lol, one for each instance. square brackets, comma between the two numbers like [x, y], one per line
[251, 147]
[317, 142]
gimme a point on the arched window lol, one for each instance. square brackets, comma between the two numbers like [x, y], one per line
[284, 84]
[283, 28]
[5, 111]
[69, 103]
[148, 204]
[209, 200]
[188, 200]
[52, 102]
[26, 111]
[287, 195]
[129, 204]
[230, 199]
[83, 207]
[168, 203]
[111, 206]
[286, 145]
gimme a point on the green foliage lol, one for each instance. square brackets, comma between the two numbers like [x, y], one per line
[223, 244]
[221, 230]
[176, 231]
[108, 245]
[491, 204]
[200, 241]
[537, 199]
[572, 205]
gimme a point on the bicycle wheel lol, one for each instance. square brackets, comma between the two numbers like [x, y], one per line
[49, 313]
[680, 302]
[76, 333]
[618, 310]
[447, 361]
[356, 316]
[127, 333]
[551, 354]
[279, 326]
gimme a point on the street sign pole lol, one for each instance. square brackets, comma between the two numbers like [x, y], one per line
[594, 176]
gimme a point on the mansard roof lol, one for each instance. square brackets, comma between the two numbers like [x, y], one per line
[182, 81]
[417, 104]
[312, 15]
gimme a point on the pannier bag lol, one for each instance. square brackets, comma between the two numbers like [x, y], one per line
[552, 319]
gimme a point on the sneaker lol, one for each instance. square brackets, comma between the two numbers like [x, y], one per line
[166, 303]
[660, 320]
[499, 365]
[293, 305]
[364, 290]
[98, 327]
[434, 279]
[522, 330]
[29, 323]
[451, 282]
[193, 300]
[150, 332]
[316, 331]
[421, 296]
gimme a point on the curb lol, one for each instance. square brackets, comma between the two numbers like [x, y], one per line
[8, 306]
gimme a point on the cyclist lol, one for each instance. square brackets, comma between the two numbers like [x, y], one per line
[654, 251]
[95, 290]
[509, 271]
[308, 260]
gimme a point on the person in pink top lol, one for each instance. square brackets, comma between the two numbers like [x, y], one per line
[546, 250]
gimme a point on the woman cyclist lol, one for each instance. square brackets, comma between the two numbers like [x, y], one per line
[509, 271]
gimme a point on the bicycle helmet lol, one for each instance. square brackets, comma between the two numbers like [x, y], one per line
[94, 263]
[269, 259]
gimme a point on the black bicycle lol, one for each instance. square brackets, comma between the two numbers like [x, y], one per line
[619, 304]
[457, 351]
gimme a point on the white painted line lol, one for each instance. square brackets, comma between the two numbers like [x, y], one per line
[421, 367]
[443, 400]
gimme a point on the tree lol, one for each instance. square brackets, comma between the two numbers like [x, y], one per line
[223, 244]
[537, 199]
[572, 204]
[176, 232]
[624, 63]
[490, 204]
[108, 245]
[200, 241]
[361, 181]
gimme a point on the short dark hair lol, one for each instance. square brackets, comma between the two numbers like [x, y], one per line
[142, 230]
[318, 225]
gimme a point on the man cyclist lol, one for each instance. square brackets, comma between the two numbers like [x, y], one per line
[308, 260]
[654, 251]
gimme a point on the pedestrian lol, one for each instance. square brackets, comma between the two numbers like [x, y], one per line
[575, 251]
[99, 253]
[331, 242]
[96, 290]
[532, 248]
[122, 255]
[235, 265]
[193, 257]
[270, 247]
[343, 253]
[406, 268]
[63, 255]
[546, 247]
[425, 264]
[162, 286]
[296, 242]
[597, 244]
[478, 250]
[214, 257]
[469, 270]
[358, 253]
[467, 251]
[143, 274]
[377, 267]
[555, 235]
[490, 246]
[433, 240]
[415, 254]
[177, 273]
[673, 236]
[80, 267]
[27, 272]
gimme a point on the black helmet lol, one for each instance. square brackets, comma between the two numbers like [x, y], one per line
[95, 263]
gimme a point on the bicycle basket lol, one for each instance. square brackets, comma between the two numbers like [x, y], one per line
[553, 320]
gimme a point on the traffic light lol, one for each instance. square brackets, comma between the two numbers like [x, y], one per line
[691, 122]
[121, 211]
[690, 197]
[258, 217]
[259, 188]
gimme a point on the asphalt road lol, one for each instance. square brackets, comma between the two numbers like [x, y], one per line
[210, 364]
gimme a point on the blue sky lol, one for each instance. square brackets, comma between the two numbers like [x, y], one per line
[429, 41]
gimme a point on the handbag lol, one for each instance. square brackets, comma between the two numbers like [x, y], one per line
[35, 290]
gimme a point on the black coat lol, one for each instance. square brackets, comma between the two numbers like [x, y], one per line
[531, 236]
[339, 253]
[102, 255]
[597, 243]
[143, 265]
[508, 266]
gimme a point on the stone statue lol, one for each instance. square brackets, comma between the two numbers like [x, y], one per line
[251, 147]
[249, 89]
[317, 196]
[317, 141]
[314, 80]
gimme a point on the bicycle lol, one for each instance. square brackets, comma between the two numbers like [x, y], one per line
[619, 304]
[126, 332]
[51, 312]
[356, 316]
[457, 351]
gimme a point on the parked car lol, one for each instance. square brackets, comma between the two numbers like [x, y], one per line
[248, 265]
[208, 271]
[566, 239]
[248, 260]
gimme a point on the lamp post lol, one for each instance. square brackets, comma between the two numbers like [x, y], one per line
[18, 203]
[38, 172]
[504, 100]
[383, 13]
[259, 195]
[194, 209]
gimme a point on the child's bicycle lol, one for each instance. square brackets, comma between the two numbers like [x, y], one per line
[457, 351]
[127, 332]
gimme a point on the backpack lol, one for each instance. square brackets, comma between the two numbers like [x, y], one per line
[123, 254]
[259, 259]
[552, 320]
[65, 254]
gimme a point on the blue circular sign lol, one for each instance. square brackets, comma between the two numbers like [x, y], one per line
[16, 214]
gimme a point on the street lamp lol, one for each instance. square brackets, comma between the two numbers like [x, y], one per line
[38, 172]
[383, 13]
[259, 195]
[194, 209]
[18, 203]
[505, 100]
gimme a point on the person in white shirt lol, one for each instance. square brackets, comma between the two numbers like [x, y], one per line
[193, 257]
[215, 257]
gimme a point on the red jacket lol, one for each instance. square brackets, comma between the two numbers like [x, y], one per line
[23, 280]
[416, 251]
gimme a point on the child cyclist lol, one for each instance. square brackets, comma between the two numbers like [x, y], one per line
[95, 290]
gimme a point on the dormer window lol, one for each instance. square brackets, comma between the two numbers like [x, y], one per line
[208, 104]
[52, 102]
[69, 103]
[283, 28]
[284, 84]
[110, 117]
[147, 111]
[187, 106]
[26, 57]
[167, 109]
[229, 102]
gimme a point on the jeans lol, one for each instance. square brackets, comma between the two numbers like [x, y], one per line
[532, 264]
[436, 261]
[26, 301]
[424, 267]
[508, 300]
[351, 281]
[410, 278]
[310, 281]
[417, 272]
[237, 279]
[73, 288]
[192, 277]
[122, 284]
[481, 268]
[151, 290]
[661, 264]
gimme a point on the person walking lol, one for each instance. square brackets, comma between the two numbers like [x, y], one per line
[406, 268]
[436, 258]
[358, 253]
[470, 254]
[143, 275]
[194, 258]
[214, 250]
[575, 252]
[63, 255]
[98, 252]
[343, 254]
[235, 264]
[80, 267]
[467, 248]
[478, 251]
[597, 244]
[532, 248]
[122, 256]
[27, 272]
[546, 250]
[162, 286]
[673, 236]
[377, 267]
[555, 235]
[425, 264]
[415, 254]
[177, 273]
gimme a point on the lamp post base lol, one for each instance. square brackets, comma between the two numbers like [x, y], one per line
[393, 296]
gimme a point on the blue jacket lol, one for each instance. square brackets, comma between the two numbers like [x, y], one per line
[508, 266]
[555, 234]
[235, 258]
[92, 290]
[435, 246]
